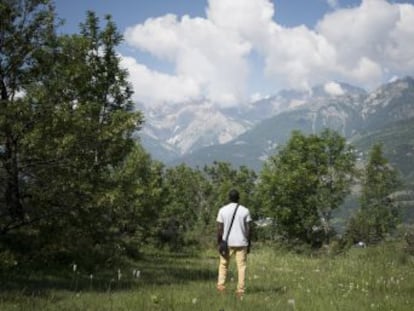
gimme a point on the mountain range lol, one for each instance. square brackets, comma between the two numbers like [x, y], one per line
[200, 133]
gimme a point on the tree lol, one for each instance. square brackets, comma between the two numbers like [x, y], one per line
[27, 29]
[138, 196]
[378, 215]
[71, 132]
[224, 177]
[301, 185]
[182, 219]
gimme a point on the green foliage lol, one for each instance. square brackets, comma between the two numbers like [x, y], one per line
[224, 177]
[27, 29]
[185, 213]
[397, 139]
[378, 214]
[301, 185]
[65, 139]
[192, 199]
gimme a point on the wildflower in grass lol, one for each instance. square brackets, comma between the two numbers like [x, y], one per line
[138, 274]
[155, 299]
[90, 280]
[119, 274]
[362, 244]
[194, 301]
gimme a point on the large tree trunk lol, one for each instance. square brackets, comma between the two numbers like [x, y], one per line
[10, 162]
[12, 190]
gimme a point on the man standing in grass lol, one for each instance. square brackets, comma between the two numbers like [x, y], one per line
[238, 240]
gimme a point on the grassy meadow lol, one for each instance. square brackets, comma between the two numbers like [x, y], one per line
[373, 278]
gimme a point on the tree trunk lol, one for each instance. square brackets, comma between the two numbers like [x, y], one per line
[12, 194]
[10, 163]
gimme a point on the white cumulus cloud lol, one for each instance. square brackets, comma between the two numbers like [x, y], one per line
[152, 87]
[362, 45]
[333, 88]
[215, 60]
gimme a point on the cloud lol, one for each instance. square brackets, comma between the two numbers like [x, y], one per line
[213, 59]
[373, 42]
[333, 88]
[153, 88]
[363, 45]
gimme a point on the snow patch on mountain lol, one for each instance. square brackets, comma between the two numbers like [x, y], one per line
[191, 126]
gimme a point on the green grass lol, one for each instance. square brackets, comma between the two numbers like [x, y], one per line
[377, 278]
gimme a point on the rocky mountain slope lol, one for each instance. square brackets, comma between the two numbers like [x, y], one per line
[385, 115]
[171, 132]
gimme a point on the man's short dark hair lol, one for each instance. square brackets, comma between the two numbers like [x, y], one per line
[234, 196]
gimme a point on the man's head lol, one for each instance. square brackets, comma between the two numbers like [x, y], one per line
[234, 196]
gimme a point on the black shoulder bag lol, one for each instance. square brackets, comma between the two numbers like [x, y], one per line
[224, 248]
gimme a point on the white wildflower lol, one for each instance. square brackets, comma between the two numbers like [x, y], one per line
[136, 273]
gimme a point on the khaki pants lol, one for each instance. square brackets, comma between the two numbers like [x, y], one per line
[241, 255]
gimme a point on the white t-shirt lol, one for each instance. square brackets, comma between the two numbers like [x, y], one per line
[237, 235]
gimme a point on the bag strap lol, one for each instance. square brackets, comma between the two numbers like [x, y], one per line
[232, 220]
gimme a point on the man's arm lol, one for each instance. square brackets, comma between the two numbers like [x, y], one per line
[220, 229]
[248, 235]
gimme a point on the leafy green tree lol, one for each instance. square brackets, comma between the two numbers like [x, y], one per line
[301, 185]
[138, 196]
[27, 29]
[66, 137]
[378, 215]
[93, 126]
[182, 221]
[224, 177]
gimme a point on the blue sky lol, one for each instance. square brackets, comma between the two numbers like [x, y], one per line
[130, 12]
[232, 51]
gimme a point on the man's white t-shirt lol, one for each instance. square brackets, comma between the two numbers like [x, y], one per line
[237, 237]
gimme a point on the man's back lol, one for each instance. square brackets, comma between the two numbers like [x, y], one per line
[238, 234]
